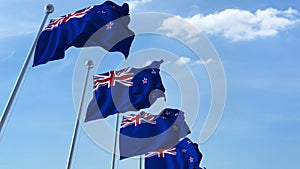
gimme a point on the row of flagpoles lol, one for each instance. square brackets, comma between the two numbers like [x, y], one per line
[108, 84]
[48, 10]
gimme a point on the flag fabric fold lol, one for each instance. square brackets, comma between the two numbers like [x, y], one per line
[144, 132]
[104, 25]
[129, 89]
[185, 155]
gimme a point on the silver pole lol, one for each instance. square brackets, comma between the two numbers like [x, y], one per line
[141, 161]
[115, 142]
[89, 64]
[49, 9]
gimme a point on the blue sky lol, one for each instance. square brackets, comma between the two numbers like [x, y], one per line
[256, 41]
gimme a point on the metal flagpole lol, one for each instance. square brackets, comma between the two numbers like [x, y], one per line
[115, 142]
[49, 9]
[141, 161]
[89, 64]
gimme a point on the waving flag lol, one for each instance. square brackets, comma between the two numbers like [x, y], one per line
[129, 89]
[142, 133]
[104, 25]
[185, 155]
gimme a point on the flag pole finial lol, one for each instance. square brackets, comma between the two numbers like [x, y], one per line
[49, 8]
[89, 64]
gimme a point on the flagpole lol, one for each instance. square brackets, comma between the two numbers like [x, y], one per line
[89, 64]
[115, 142]
[49, 9]
[141, 161]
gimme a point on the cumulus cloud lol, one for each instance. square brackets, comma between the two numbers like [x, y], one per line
[204, 62]
[234, 24]
[177, 27]
[183, 60]
[134, 3]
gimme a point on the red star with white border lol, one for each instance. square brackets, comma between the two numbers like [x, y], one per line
[191, 159]
[145, 80]
[109, 25]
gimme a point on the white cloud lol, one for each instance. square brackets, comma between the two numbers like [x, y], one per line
[175, 27]
[134, 3]
[148, 63]
[183, 60]
[204, 62]
[233, 24]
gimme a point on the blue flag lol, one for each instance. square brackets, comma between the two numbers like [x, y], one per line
[185, 155]
[129, 89]
[142, 133]
[104, 25]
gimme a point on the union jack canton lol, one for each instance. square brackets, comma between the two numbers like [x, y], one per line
[137, 119]
[123, 77]
[54, 23]
[161, 152]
